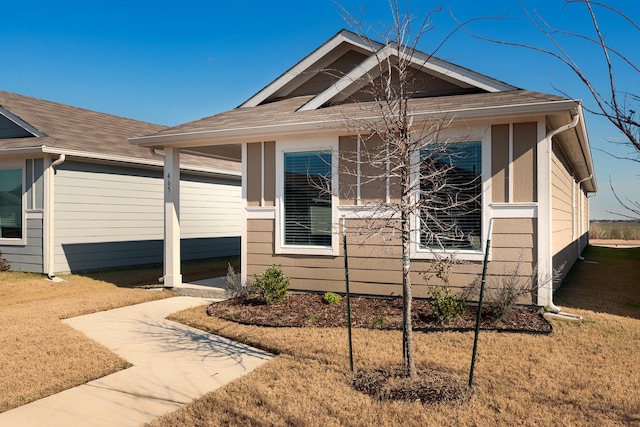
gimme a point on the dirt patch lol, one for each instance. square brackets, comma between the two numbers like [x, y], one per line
[309, 310]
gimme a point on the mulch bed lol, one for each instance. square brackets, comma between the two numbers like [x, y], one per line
[427, 387]
[309, 310]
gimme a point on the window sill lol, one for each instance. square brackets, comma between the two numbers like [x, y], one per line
[460, 255]
[307, 250]
[13, 242]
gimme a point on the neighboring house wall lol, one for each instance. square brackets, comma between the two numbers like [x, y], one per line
[210, 217]
[27, 258]
[112, 216]
[27, 254]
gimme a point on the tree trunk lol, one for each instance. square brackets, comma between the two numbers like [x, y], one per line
[408, 362]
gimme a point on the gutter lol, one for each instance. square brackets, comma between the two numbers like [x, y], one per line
[43, 149]
[579, 243]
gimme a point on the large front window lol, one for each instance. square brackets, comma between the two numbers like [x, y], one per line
[451, 197]
[307, 198]
[11, 204]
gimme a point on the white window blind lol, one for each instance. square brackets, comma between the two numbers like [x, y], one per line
[307, 198]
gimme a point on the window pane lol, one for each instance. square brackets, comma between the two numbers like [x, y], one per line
[451, 216]
[307, 198]
[11, 203]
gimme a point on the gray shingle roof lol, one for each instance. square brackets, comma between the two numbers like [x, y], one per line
[285, 112]
[78, 129]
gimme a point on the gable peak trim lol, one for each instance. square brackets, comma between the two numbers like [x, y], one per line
[298, 70]
[352, 81]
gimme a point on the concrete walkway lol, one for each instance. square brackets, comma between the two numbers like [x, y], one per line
[173, 364]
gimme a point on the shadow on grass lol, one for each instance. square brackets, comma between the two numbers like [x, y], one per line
[607, 281]
[149, 275]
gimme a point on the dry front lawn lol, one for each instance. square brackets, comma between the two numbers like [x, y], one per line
[580, 375]
[39, 355]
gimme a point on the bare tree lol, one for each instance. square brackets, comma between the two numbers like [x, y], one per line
[619, 106]
[409, 161]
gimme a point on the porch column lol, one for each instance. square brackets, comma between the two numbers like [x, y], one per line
[172, 275]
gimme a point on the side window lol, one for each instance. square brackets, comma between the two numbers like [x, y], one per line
[451, 217]
[11, 208]
[307, 199]
[35, 183]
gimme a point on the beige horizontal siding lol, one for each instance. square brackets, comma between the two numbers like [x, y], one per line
[375, 266]
[562, 215]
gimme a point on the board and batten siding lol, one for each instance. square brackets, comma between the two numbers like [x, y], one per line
[28, 258]
[113, 216]
[513, 163]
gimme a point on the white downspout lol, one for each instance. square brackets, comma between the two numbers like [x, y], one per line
[50, 223]
[550, 306]
[581, 219]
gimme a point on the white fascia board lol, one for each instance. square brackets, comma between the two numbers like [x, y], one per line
[306, 63]
[456, 74]
[18, 121]
[332, 123]
[501, 110]
[586, 147]
[230, 136]
[9, 152]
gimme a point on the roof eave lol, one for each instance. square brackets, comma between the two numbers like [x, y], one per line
[333, 123]
[43, 149]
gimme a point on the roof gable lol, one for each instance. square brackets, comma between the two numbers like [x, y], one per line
[346, 64]
[11, 126]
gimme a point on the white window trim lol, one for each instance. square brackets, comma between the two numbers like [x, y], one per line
[23, 240]
[302, 145]
[466, 135]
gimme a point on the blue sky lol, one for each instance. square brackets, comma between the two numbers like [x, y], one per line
[170, 61]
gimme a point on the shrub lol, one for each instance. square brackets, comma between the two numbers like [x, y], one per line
[4, 264]
[272, 284]
[378, 322]
[445, 306]
[331, 298]
[502, 298]
[237, 288]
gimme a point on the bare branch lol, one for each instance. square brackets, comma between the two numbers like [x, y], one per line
[628, 204]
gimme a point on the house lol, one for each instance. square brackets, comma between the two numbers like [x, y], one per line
[530, 164]
[76, 196]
